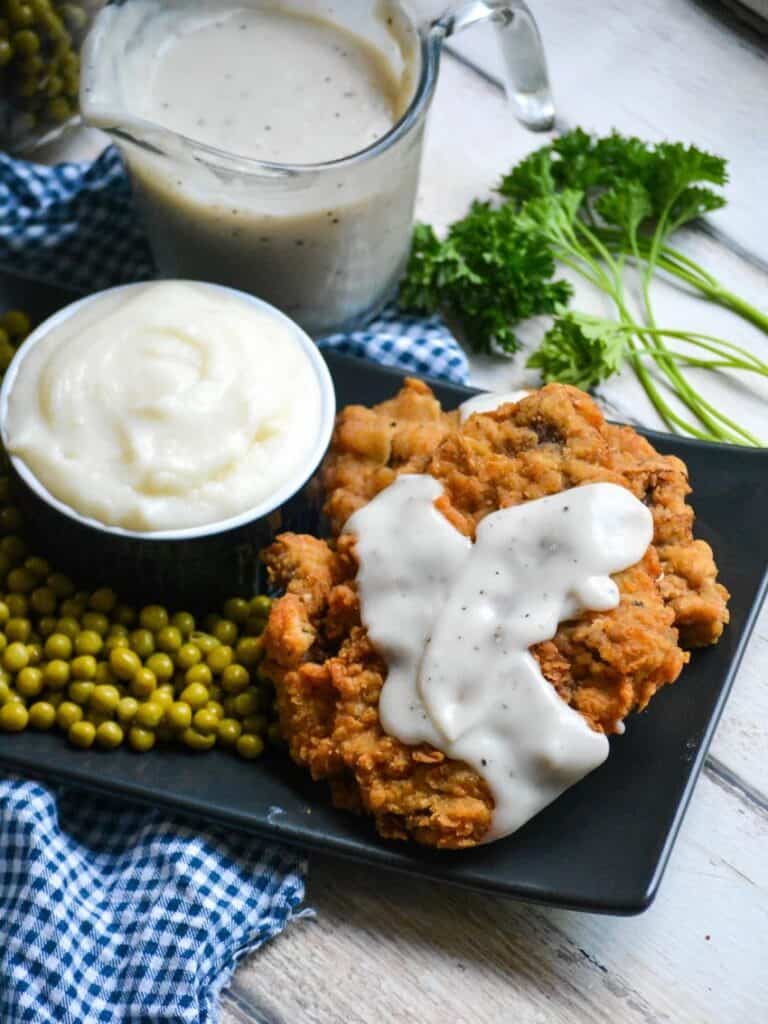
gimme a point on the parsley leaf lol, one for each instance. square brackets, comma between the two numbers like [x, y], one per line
[490, 272]
[581, 350]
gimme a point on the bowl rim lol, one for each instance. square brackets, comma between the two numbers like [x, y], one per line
[275, 501]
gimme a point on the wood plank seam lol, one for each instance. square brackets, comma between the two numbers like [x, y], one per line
[562, 125]
[738, 20]
[722, 775]
[244, 1009]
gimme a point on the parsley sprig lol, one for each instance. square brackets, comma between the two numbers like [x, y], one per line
[594, 205]
[490, 271]
[635, 195]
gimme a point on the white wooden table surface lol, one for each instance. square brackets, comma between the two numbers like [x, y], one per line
[384, 949]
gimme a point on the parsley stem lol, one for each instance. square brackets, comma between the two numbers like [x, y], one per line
[669, 416]
[678, 265]
[674, 255]
[702, 409]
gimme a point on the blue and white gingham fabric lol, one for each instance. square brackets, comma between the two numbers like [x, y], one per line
[74, 225]
[109, 912]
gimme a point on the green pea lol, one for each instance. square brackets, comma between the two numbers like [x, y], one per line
[124, 663]
[237, 609]
[59, 110]
[61, 585]
[114, 643]
[18, 605]
[109, 735]
[161, 665]
[205, 722]
[82, 734]
[18, 629]
[220, 658]
[142, 642]
[179, 715]
[104, 675]
[126, 709]
[153, 617]
[44, 601]
[149, 714]
[56, 674]
[39, 567]
[184, 622]
[21, 580]
[215, 707]
[163, 696]
[96, 621]
[199, 674]
[15, 657]
[29, 682]
[196, 695]
[42, 715]
[249, 747]
[69, 626]
[19, 13]
[197, 741]
[225, 631]
[26, 43]
[248, 703]
[71, 608]
[84, 667]
[103, 600]
[81, 691]
[67, 714]
[143, 683]
[58, 645]
[168, 639]
[88, 641]
[235, 679]
[13, 717]
[261, 605]
[188, 655]
[204, 641]
[47, 626]
[105, 698]
[249, 651]
[75, 17]
[141, 740]
[229, 730]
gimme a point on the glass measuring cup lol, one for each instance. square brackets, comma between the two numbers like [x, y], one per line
[325, 242]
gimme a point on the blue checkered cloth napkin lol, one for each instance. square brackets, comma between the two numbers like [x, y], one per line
[74, 225]
[111, 912]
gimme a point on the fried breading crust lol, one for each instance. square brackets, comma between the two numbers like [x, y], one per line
[329, 676]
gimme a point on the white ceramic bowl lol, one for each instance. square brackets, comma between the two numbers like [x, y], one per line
[196, 565]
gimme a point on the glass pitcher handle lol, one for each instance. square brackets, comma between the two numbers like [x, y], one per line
[525, 65]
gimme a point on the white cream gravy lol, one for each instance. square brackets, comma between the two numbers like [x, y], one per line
[455, 621]
[273, 82]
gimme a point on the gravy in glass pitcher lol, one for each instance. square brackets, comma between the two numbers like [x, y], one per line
[235, 119]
